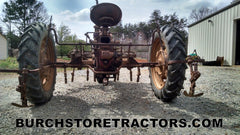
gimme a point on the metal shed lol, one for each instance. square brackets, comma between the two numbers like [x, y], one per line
[217, 35]
[3, 47]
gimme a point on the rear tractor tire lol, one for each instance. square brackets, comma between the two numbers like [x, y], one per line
[167, 80]
[37, 49]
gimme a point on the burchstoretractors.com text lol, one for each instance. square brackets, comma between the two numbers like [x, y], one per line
[107, 123]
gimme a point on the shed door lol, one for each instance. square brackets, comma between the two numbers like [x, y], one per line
[237, 62]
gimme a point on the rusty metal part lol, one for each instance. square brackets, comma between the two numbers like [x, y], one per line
[94, 77]
[118, 75]
[10, 71]
[22, 89]
[139, 74]
[73, 74]
[65, 75]
[87, 63]
[106, 57]
[130, 70]
[106, 54]
[195, 74]
[94, 44]
[106, 14]
[87, 74]
[115, 77]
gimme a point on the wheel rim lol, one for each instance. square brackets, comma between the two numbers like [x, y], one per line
[159, 55]
[47, 56]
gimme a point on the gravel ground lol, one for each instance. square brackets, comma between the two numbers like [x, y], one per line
[125, 99]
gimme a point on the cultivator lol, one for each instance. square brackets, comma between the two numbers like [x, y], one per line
[191, 60]
[167, 62]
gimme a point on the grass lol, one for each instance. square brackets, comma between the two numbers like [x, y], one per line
[64, 58]
[9, 63]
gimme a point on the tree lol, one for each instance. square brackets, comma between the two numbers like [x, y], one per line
[129, 30]
[199, 14]
[14, 40]
[63, 34]
[21, 13]
[63, 50]
[156, 21]
[235, 1]
[118, 29]
[1, 31]
[145, 29]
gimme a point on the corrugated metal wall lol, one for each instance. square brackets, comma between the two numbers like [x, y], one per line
[3, 48]
[216, 38]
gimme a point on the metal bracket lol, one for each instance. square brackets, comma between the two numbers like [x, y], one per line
[192, 61]
[22, 89]
[73, 74]
[195, 74]
[130, 74]
[139, 74]
[65, 74]
[87, 74]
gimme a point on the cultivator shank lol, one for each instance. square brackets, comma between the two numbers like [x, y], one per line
[193, 61]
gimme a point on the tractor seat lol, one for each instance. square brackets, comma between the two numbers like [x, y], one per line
[106, 14]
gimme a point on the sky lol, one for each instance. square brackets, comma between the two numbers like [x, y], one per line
[76, 13]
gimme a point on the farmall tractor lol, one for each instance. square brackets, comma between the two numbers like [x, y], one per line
[167, 58]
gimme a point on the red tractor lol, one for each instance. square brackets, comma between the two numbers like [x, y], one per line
[37, 57]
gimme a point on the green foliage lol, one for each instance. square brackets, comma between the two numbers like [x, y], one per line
[66, 58]
[64, 50]
[156, 21]
[118, 29]
[63, 32]
[86, 47]
[64, 36]
[13, 40]
[23, 12]
[146, 29]
[9, 63]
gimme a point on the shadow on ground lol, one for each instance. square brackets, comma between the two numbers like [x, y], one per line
[134, 99]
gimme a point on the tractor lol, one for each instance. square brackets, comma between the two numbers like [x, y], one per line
[167, 58]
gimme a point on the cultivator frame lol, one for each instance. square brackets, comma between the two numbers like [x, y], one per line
[101, 51]
[129, 64]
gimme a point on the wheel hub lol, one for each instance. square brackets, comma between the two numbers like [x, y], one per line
[159, 55]
[47, 57]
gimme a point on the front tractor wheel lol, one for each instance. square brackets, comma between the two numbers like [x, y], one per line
[36, 49]
[167, 80]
